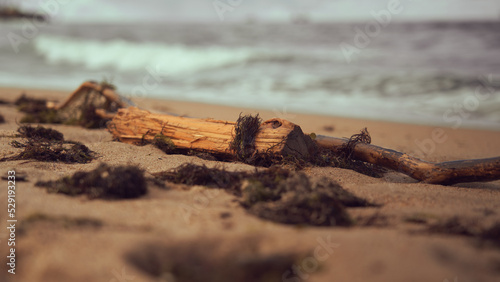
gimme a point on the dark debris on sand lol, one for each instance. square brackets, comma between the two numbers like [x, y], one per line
[276, 194]
[164, 143]
[468, 228]
[40, 133]
[48, 145]
[107, 182]
[191, 174]
[54, 222]
[211, 260]
[492, 234]
[296, 200]
[36, 110]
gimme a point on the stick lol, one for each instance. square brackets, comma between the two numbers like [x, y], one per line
[436, 173]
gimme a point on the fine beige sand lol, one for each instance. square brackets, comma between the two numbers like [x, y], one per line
[192, 225]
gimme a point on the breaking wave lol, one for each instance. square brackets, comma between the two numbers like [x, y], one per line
[125, 56]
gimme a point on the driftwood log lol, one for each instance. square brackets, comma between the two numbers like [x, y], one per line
[132, 125]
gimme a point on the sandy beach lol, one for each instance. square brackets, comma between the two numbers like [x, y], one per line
[62, 238]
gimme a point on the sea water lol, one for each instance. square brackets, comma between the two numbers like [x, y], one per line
[443, 74]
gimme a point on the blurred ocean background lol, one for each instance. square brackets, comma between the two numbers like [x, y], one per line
[423, 67]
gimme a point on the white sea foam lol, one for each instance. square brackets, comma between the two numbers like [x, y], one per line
[125, 56]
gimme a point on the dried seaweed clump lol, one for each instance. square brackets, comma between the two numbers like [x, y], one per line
[245, 131]
[270, 159]
[54, 152]
[276, 194]
[36, 110]
[191, 174]
[30, 105]
[107, 84]
[40, 133]
[120, 182]
[296, 200]
[48, 145]
[164, 143]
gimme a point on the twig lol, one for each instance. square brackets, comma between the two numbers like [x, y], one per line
[436, 173]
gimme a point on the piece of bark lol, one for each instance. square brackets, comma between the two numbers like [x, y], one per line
[109, 94]
[445, 173]
[133, 125]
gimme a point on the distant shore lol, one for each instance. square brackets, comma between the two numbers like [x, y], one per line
[8, 13]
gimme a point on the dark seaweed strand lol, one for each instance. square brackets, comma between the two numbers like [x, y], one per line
[245, 131]
[346, 150]
[40, 133]
[48, 145]
[345, 159]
